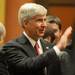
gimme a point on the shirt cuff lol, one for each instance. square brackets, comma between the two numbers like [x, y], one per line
[57, 50]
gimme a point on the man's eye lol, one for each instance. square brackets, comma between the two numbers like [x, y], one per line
[39, 20]
[55, 30]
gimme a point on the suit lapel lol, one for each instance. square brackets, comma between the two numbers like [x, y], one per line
[43, 44]
[26, 46]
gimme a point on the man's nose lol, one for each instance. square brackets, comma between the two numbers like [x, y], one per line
[44, 24]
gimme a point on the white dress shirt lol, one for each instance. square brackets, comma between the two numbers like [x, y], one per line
[33, 42]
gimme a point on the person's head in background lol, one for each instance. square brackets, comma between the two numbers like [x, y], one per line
[32, 18]
[2, 33]
[49, 36]
[54, 24]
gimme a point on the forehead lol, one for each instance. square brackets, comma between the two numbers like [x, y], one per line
[39, 16]
[53, 25]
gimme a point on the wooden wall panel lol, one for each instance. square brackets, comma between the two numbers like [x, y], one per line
[2, 11]
[13, 30]
[67, 14]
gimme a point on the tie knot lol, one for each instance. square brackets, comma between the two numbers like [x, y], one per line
[36, 45]
[37, 48]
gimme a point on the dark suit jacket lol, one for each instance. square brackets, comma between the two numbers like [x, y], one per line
[64, 63]
[3, 65]
[55, 67]
[22, 58]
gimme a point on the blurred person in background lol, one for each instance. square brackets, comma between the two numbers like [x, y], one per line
[3, 64]
[2, 33]
[55, 24]
[48, 38]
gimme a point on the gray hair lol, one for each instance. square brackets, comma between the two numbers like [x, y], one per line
[2, 31]
[54, 19]
[28, 10]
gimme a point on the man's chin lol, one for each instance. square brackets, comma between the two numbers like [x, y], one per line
[41, 35]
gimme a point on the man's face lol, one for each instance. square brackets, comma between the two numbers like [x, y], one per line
[55, 28]
[36, 27]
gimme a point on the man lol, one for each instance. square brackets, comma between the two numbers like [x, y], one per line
[2, 33]
[55, 24]
[3, 64]
[21, 56]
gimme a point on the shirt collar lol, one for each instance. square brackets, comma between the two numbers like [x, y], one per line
[30, 39]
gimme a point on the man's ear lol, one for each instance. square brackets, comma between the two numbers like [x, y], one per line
[25, 23]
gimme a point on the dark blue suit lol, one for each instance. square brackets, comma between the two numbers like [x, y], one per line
[3, 64]
[23, 60]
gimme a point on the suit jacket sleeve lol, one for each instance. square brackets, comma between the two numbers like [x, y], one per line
[3, 65]
[18, 59]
